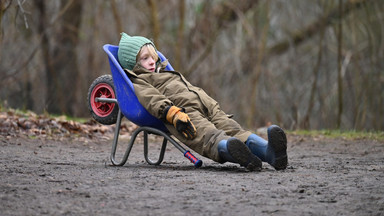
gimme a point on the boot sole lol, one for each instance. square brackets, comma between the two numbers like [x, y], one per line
[278, 143]
[241, 153]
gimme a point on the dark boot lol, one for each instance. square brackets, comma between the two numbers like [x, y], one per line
[273, 151]
[233, 150]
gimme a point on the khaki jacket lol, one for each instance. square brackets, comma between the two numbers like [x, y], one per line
[157, 91]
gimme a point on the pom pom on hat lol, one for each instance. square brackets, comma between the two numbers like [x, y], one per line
[129, 47]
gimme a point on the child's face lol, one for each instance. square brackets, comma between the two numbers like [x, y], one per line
[146, 60]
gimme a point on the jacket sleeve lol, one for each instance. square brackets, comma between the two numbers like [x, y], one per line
[150, 98]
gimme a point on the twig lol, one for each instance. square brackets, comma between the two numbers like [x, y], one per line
[23, 12]
[15, 71]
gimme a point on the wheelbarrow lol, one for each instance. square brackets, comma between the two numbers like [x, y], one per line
[112, 97]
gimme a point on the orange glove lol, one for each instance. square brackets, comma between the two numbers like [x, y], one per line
[181, 121]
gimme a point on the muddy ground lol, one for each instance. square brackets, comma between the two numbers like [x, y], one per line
[72, 175]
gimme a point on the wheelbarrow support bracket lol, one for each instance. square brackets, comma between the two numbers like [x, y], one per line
[148, 130]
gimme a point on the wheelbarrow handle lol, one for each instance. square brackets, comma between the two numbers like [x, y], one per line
[193, 159]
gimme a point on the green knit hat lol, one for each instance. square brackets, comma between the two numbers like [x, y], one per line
[129, 47]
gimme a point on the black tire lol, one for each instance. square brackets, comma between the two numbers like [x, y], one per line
[104, 113]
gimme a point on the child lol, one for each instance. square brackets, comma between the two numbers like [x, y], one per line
[191, 115]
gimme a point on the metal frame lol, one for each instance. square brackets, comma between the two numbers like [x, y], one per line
[146, 131]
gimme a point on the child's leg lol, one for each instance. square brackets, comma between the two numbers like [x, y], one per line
[234, 150]
[207, 137]
[273, 151]
[228, 125]
[216, 144]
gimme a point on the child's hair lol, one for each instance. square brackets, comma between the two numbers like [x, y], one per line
[151, 50]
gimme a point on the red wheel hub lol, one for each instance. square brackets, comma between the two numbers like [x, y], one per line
[102, 90]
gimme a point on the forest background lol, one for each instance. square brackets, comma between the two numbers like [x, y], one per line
[301, 64]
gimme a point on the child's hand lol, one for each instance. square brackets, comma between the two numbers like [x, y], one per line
[182, 122]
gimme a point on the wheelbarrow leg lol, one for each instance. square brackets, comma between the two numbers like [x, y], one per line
[147, 130]
[162, 151]
[167, 137]
[116, 139]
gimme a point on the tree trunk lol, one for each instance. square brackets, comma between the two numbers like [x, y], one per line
[154, 22]
[119, 26]
[305, 124]
[257, 68]
[339, 62]
[180, 35]
[61, 65]
[3, 8]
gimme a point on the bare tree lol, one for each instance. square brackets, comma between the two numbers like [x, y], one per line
[312, 29]
[119, 26]
[339, 59]
[180, 35]
[4, 5]
[155, 24]
[60, 57]
[205, 31]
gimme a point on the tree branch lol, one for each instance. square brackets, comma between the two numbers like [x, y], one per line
[302, 35]
[119, 26]
[224, 13]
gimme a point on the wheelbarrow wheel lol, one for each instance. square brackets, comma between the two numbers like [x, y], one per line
[104, 113]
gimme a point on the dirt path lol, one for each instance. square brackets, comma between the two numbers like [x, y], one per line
[74, 177]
